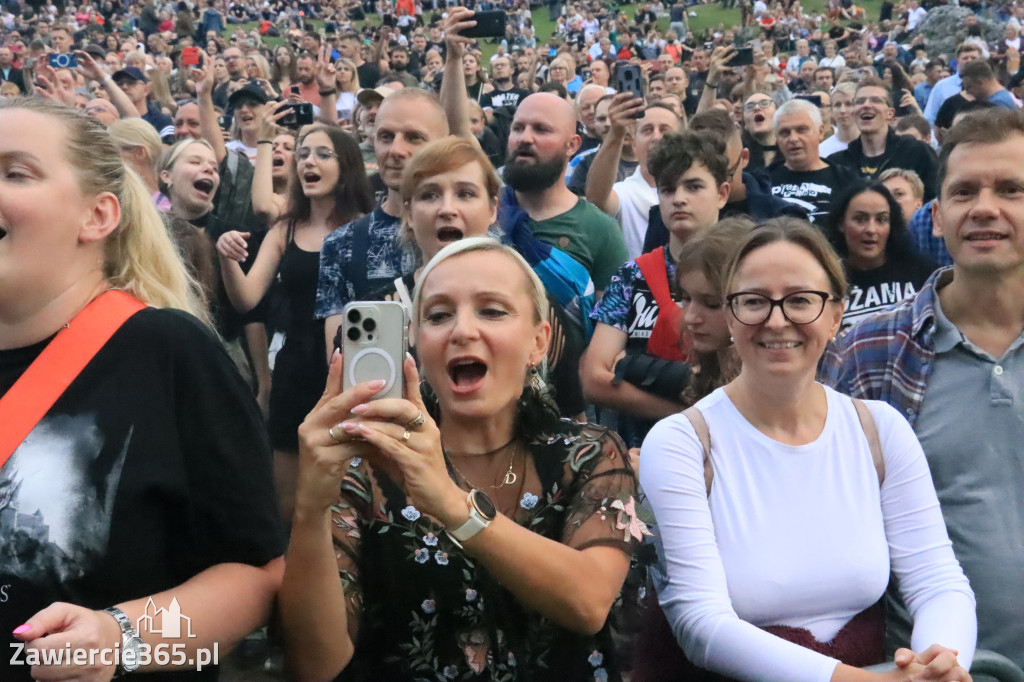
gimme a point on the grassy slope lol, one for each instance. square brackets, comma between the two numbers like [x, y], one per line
[708, 16]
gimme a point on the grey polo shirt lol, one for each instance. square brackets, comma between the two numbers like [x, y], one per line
[971, 427]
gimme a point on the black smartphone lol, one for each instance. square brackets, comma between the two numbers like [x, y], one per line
[744, 57]
[294, 90]
[490, 24]
[629, 78]
[299, 114]
[225, 122]
[813, 99]
[64, 60]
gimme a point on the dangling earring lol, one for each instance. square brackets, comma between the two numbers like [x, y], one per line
[534, 380]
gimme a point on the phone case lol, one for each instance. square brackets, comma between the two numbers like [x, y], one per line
[374, 342]
[490, 24]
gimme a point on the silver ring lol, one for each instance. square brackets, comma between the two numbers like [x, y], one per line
[330, 432]
[405, 437]
[416, 423]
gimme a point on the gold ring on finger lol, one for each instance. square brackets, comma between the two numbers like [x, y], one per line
[335, 438]
[405, 437]
[417, 422]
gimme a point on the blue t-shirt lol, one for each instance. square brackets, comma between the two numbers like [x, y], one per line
[1003, 98]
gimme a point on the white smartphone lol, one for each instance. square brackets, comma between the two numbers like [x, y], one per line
[374, 341]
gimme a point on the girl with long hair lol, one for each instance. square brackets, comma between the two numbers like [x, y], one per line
[328, 187]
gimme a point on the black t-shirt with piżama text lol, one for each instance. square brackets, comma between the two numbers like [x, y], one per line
[151, 467]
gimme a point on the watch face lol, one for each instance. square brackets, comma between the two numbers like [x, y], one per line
[131, 652]
[484, 505]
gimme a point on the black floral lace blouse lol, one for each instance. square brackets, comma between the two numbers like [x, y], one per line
[420, 609]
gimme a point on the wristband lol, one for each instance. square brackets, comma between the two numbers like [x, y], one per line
[259, 142]
[328, 93]
[709, 84]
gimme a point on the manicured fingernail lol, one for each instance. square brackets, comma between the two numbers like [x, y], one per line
[336, 353]
[22, 629]
[377, 384]
[350, 427]
[359, 409]
[408, 356]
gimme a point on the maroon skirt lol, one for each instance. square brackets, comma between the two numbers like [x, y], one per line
[658, 657]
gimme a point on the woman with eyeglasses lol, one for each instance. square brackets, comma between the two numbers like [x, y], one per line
[327, 188]
[783, 507]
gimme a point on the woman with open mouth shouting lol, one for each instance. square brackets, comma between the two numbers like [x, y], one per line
[122, 420]
[481, 538]
[328, 188]
[868, 231]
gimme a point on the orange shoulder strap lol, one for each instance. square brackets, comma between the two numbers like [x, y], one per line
[50, 374]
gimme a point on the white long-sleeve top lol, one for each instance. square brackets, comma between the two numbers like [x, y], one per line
[797, 535]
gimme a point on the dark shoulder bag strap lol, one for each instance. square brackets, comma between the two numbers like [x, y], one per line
[704, 435]
[867, 422]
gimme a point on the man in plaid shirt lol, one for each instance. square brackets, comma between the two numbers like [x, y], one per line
[952, 361]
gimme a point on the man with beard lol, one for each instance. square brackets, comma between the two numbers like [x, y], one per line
[542, 140]
[399, 61]
[365, 255]
[234, 60]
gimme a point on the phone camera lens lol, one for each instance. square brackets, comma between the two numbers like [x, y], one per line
[354, 333]
[354, 316]
[369, 324]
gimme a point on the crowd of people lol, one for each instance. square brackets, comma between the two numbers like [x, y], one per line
[605, 455]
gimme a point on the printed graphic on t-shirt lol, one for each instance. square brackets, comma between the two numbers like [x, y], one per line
[875, 298]
[56, 500]
[810, 196]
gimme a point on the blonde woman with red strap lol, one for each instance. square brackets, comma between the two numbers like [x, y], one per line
[138, 476]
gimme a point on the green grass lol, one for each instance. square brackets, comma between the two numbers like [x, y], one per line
[712, 16]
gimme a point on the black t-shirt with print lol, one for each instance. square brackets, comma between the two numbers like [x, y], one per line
[874, 290]
[151, 467]
[811, 190]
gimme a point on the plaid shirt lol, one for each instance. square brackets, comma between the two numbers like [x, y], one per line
[889, 356]
[920, 228]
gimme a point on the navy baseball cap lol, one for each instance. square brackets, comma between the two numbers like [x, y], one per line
[130, 73]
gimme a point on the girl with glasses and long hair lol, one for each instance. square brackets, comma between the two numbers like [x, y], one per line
[783, 507]
[328, 187]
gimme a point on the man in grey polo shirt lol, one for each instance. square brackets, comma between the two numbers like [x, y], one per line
[952, 361]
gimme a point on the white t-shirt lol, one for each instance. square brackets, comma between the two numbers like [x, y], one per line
[801, 536]
[830, 146]
[636, 198]
[239, 147]
[914, 17]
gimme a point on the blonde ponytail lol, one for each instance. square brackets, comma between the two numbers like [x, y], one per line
[139, 256]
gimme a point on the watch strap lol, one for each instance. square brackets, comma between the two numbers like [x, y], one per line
[473, 525]
[128, 631]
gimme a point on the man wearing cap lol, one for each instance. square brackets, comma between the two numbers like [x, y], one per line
[369, 102]
[135, 85]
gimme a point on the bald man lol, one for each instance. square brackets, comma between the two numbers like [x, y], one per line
[364, 256]
[102, 110]
[541, 141]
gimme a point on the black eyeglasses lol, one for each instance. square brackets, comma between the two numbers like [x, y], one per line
[799, 307]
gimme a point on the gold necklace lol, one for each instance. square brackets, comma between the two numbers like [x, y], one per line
[510, 476]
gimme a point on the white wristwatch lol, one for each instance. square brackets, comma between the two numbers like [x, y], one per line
[481, 513]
